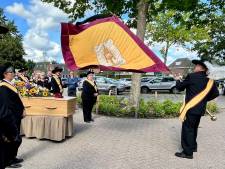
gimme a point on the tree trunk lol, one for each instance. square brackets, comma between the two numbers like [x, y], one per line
[136, 77]
[166, 52]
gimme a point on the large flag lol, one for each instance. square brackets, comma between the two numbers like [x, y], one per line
[108, 43]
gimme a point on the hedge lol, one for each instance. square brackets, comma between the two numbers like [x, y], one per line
[120, 107]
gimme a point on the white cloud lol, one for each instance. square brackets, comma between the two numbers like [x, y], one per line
[42, 19]
[175, 52]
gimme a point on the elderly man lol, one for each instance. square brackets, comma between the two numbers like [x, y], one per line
[199, 90]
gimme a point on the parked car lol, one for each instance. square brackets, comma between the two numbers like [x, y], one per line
[162, 83]
[126, 82]
[106, 84]
[223, 87]
[146, 79]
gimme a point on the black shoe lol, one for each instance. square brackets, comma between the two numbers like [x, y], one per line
[14, 166]
[17, 160]
[183, 155]
[87, 121]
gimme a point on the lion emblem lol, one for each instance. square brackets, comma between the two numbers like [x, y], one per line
[108, 54]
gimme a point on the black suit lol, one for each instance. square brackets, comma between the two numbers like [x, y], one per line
[55, 86]
[88, 100]
[11, 112]
[194, 83]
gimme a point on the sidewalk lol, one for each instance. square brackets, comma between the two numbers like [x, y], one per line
[114, 143]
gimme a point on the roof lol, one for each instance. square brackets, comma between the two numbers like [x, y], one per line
[181, 63]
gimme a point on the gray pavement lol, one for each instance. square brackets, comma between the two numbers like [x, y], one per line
[116, 143]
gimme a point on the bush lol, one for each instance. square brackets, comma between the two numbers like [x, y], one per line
[120, 107]
[212, 107]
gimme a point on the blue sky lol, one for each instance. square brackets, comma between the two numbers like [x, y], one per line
[39, 24]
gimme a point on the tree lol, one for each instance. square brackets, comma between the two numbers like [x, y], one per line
[30, 66]
[11, 47]
[211, 14]
[165, 29]
[138, 12]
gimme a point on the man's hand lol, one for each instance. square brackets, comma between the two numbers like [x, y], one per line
[177, 77]
[95, 94]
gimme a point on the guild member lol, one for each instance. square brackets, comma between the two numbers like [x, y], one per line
[72, 84]
[22, 75]
[89, 96]
[43, 81]
[199, 90]
[56, 83]
[11, 114]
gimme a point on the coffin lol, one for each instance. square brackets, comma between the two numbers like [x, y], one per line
[49, 106]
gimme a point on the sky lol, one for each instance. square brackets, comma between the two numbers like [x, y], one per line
[39, 23]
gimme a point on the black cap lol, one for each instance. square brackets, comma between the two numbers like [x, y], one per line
[57, 69]
[90, 72]
[200, 62]
[3, 30]
[4, 68]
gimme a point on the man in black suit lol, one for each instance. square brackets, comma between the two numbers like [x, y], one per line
[199, 90]
[89, 96]
[56, 82]
[11, 114]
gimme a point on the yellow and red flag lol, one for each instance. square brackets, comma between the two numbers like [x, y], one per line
[108, 43]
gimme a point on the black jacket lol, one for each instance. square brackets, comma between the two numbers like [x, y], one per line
[194, 83]
[88, 92]
[11, 112]
[54, 85]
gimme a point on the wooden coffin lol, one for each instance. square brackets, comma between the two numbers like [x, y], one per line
[49, 106]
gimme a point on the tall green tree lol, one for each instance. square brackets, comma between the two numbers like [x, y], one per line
[163, 28]
[211, 14]
[11, 47]
[137, 12]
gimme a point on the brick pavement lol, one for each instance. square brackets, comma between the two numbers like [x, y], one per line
[114, 143]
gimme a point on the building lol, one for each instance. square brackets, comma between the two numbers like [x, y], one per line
[181, 66]
[48, 66]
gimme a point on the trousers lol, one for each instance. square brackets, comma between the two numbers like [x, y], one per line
[189, 133]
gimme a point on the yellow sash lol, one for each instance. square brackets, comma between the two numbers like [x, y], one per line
[24, 78]
[58, 82]
[194, 101]
[93, 84]
[9, 86]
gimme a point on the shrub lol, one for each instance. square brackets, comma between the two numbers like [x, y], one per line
[120, 107]
[212, 107]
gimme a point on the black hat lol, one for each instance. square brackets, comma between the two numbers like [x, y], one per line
[4, 68]
[22, 70]
[3, 30]
[90, 72]
[57, 69]
[200, 62]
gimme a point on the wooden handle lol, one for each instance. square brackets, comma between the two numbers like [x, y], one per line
[51, 108]
[27, 107]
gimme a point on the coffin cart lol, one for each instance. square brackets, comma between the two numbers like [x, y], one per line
[48, 117]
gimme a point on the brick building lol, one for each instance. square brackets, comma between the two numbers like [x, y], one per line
[181, 66]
